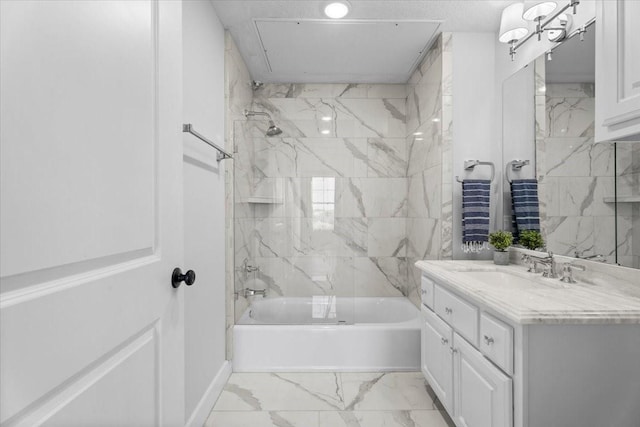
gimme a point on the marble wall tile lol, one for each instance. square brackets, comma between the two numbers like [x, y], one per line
[363, 233]
[378, 197]
[425, 195]
[350, 117]
[570, 117]
[386, 157]
[566, 234]
[345, 237]
[317, 275]
[424, 238]
[570, 90]
[336, 90]
[380, 276]
[387, 237]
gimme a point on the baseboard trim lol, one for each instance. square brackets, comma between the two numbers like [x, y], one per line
[203, 408]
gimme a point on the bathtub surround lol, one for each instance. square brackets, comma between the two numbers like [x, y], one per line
[338, 170]
[328, 400]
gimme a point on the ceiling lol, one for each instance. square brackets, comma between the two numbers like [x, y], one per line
[291, 41]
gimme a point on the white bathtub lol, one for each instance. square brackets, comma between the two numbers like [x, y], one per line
[291, 334]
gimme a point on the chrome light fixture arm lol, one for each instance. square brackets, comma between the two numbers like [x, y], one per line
[542, 26]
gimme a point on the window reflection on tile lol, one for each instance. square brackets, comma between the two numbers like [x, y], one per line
[323, 307]
[323, 196]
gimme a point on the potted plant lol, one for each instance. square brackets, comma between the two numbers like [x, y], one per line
[531, 239]
[501, 240]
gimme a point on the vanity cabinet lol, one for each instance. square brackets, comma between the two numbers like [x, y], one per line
[617, 71]
[471, 388]
[501, 356]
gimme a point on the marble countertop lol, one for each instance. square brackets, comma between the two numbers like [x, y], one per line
[547, 301]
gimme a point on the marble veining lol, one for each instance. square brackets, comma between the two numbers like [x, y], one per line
[351, 191]
[576, 176]
[328, 400]
[603, 294]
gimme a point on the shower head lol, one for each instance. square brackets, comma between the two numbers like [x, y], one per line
[273, 129]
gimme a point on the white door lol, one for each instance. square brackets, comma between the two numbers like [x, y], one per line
[483, 394]
[437, 362]
[91, 329]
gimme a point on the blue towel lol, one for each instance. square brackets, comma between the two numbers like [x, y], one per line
[525, 212]
[476, 197]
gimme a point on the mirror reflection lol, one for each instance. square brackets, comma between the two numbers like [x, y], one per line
[548, 119]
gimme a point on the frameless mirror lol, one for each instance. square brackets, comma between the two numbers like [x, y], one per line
[548, 120]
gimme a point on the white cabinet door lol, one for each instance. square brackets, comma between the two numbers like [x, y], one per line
[617, 71]
[483, 394]
[91, 217]
[437, 362]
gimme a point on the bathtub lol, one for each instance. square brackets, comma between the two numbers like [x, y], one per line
[341, 334]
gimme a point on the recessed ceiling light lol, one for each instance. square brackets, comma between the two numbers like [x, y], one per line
[337, 10]
[419, 139]
[326, 118]
[325, 132]
[417, 133]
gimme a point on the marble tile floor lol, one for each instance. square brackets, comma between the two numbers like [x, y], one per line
[392, 399]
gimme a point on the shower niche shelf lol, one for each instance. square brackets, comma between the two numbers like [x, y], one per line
[264, 200]
[622, 199]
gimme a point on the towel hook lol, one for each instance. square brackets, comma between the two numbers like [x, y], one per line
[516, 166]
[471, 164]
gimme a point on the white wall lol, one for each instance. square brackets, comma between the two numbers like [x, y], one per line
[204, 212]
[475, 135]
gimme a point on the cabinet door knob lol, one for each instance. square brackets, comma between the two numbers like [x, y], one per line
[453, 350]
[488, 340]
[444, 341]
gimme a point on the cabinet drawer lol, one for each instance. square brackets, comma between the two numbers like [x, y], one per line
[426, 291]
[496, 342]
[458, 313]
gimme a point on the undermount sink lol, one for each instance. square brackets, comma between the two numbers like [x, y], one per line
[511, 280]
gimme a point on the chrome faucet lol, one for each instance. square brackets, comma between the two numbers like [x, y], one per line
[567, 271]
[253, 292]
[549, 263]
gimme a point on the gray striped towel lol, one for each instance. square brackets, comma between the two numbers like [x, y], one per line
[476, 198]
[525, 212]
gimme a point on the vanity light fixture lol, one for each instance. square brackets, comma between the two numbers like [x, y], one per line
[536, 11]
[337, 10]
[512, 26]
[545, 14]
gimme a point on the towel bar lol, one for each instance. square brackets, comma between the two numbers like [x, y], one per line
[471, 164]
[515, 166]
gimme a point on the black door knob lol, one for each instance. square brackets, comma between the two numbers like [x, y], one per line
[188, 278]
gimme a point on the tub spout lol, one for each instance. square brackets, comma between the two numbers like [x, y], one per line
[253, 292]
